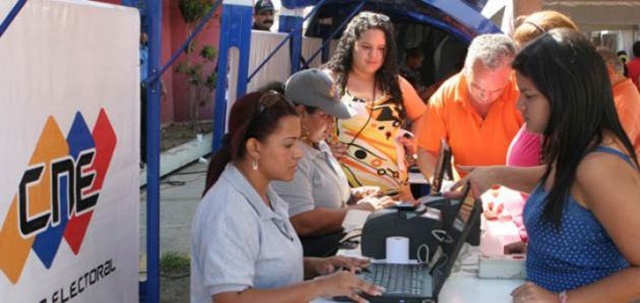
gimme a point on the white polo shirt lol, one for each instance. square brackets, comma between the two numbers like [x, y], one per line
[238, 242]
[319, 182]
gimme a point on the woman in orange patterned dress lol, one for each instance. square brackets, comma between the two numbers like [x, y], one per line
[373, 147]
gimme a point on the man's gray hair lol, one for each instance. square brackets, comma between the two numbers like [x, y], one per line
[611, 59]
[492, 50]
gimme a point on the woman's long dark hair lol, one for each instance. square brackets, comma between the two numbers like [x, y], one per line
[342, 61]
[255, 115]
[565, 67]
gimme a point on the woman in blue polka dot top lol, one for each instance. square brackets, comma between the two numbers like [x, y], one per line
[583, 214]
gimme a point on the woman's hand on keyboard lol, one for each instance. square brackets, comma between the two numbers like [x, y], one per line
[362, 192]
[375, 203]
[346, 284]
[324, 266]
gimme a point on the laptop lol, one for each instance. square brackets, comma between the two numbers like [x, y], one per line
[443, 166]
[447, 207]
[409, 283]
[442, 171]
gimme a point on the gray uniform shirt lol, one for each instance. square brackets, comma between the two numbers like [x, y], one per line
[319, 182]
[238, 242]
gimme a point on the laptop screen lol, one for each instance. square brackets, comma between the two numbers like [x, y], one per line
[465, 209]
[468, 212]
[443, 165]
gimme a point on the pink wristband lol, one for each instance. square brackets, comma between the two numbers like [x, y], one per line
[563, 296]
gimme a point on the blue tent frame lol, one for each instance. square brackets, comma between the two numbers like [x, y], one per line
[465, 22]
[235, 31]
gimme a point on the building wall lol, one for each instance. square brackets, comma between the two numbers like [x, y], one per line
[175, 104]
[178, 34]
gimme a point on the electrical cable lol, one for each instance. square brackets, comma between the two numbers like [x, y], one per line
[419, 257]
[364, 125]
[190, 173]
[349, 238]
[441, 235]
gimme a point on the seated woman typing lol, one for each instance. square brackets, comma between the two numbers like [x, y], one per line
[243, 247]
[319, 194]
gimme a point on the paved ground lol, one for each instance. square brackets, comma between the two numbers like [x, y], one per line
[180, 193]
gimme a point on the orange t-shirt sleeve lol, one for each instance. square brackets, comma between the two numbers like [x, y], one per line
[628, 122]
[627, 102]
[431, 127]
[412, 103]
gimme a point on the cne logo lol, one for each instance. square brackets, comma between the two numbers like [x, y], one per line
[57, 193]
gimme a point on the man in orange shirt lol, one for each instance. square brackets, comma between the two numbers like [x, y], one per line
[625, 96]
[475, 110]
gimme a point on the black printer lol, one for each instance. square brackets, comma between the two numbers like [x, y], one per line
[416, 224]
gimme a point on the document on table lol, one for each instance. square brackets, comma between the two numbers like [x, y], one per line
[354, 219]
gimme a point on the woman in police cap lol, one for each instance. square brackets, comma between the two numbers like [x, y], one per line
[319, 195]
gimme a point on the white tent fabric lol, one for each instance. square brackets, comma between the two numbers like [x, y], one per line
[5, 8]
[278, 68]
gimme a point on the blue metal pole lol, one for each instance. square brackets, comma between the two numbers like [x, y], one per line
[289, 23]
[154, 9]
[235, 31]
[12, 15]
[275, 50]
[326, 50]
[295, 47]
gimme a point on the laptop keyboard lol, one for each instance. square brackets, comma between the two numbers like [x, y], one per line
[397, 278]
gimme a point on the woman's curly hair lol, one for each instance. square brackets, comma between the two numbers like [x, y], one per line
[342, 61]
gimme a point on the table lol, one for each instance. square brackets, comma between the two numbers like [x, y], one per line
[463, 286]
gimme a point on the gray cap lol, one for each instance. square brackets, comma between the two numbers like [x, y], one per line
[315, 88]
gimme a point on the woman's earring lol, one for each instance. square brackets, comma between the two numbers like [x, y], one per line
[305, 133]
[254, 164]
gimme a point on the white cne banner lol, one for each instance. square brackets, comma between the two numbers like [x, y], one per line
[69, 174]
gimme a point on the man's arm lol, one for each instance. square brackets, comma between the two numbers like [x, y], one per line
[426, 162]
[430, 130]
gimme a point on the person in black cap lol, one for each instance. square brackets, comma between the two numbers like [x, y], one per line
[263, 15]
